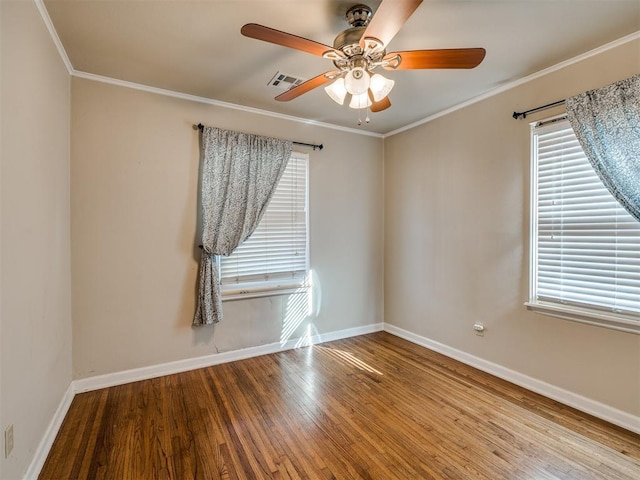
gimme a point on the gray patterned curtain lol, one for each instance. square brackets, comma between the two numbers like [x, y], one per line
[240, 172]
[607, 124]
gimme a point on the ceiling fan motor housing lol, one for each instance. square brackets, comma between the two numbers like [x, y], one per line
[360, 49]
[348, 41]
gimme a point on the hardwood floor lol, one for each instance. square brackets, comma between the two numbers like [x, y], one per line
[369, 407]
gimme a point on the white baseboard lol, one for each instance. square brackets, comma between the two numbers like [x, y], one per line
[584, 404]
[42, 451]
[600, 410]
[153, 371]
[144, 373]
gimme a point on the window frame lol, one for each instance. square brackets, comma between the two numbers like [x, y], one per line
[278, 286]
[625, 322]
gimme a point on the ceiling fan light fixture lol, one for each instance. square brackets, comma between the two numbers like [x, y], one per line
[360, 101]
[380, 86]
[357, 81]
[337, 91]
[359, 50]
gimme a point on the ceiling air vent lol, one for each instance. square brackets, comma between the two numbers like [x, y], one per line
[284, 81]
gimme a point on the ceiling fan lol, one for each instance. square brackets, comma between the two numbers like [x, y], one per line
[361, 49]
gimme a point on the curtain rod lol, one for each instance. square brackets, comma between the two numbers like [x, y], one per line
[312, 145]
[517, 115]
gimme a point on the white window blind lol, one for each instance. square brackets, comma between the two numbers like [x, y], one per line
[274, 257]
[585, 246]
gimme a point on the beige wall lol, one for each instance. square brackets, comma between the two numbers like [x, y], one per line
[456, 207]
[36, 285]
[134, 262]
[456, 241]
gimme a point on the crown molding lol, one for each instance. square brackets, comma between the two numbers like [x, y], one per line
[160, 91]
[54, 35]
[209, 101]
[520, 81]
[217, 103]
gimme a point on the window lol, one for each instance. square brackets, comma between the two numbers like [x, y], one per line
[585, 248]
[274, 259]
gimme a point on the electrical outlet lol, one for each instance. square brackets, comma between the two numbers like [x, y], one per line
[8, 440]
[479, 328]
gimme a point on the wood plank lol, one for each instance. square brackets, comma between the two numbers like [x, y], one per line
[369, 407]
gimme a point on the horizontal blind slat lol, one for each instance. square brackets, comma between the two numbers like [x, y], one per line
[277, 249]
[587, 245]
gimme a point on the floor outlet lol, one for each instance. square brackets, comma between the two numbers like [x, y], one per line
[8, 440]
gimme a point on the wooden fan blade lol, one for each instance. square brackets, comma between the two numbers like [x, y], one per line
[305, 87]
[381, 105]
[266, 34]
[389, 19]
[442, 58]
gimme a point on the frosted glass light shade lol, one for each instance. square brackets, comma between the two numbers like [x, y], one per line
[337, 91]
[380, 86]
[360, 101]
[357, 81]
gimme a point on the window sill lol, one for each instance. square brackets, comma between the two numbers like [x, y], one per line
[615, 321]
[244, 293]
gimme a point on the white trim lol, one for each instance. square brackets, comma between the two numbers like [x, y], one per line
[517, 83]
[584, 404]
[49, 436]
[605, 412]
[145, 373]
[553, 304]
[218, 103]
[54, 35]
[170, 93]
[347, 333]
[614, 321]
[246, 294]
[122, 83]
[153, 371]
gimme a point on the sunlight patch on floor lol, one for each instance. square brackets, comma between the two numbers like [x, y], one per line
[348, 358]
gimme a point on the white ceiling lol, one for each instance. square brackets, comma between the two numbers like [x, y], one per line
[195, 47]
